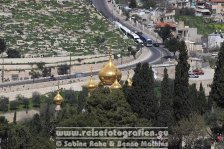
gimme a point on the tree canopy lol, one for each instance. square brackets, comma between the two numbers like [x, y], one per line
[217, 87]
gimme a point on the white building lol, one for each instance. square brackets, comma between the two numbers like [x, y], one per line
[215, 40]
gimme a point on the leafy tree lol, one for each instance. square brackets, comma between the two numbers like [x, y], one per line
[41, 65]
[34, 74]
[2, 45]
[172, 45]
[216, 94]
[190, 129]
[165, 32]
[23, 101]
[63, 69]
[36, 124]
[181, 85]
[4, 102]
[133, 4]
[12, 53]
[165, 117]
[47, 114]
[36, 99]
[46, 72]
[149, 3]
[19, 137]
[14, 105]
[4, 131]
[112, 109]
[141, 96]
[82, 100]
[70, 97]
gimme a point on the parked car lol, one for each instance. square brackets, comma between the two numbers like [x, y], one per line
[52, 78]
[192, 75]
[198, 72]
[156, 44]
[79, 75]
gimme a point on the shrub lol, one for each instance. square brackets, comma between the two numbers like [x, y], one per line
[4, 102]
[14, 105]
[36, 99]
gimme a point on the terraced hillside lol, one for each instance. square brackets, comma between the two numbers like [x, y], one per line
[50, 28]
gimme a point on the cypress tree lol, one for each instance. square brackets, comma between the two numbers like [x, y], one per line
[217, 87]
[14, 118]
[193, 93]
[165, 117]
[141, 96]
[133, 4]
[181, 85]
[201, 102]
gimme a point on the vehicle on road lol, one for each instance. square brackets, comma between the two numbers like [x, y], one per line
[156, 44]
[146, 40]
[192, 75]
[79, 75]
[198, 72]
[52, 78]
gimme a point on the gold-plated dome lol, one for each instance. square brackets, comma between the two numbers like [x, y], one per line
[115, 85]
[58, 99]
[109, 73]
[129, 81]
[91, 85]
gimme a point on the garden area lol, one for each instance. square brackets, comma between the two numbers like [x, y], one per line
[205, 26]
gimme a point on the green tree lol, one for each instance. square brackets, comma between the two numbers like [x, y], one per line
[133, 4]
[14, 118]
[165, 117]
[12, 53]
[36, 124]
[63, 69]
[36, 99]
[34, 74]
[165, 32]
[172, 45]
[71, 97]
[46, 72]
[216, 94]
[141, 96]
[181, 85]
[4, 103]
[201, 101]
[19, 137]
[14, 105]
[149, 3]
[4, 127]
[190, 128]
[112, 109]
[192, 98]
[82, 100]
[2, 45]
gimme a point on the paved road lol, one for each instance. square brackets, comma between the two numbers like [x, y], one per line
[101, 5]
[156, 52]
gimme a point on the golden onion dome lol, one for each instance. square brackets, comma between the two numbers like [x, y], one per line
[129, 81]
[91, 85]
[109, 73]
[58, 99]
[115, 85]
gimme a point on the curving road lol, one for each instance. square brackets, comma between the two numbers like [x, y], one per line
[156, 52]
[101, 6]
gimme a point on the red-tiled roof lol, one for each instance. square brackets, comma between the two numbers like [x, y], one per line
[163, 24]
